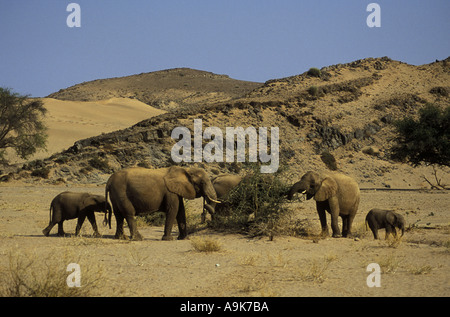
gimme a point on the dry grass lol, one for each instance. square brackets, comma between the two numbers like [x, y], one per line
[389, 263]
[29, 275]
[420, 269]
[205, 244]
[315, 270]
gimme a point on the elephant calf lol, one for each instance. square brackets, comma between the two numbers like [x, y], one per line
[70, 205]
[380, 218]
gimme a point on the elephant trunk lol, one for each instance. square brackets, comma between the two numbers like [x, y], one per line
[210, 193]
[298, 187]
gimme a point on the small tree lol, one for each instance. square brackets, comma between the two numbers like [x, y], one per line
[426, 140]
[262, 195]
[21, 125]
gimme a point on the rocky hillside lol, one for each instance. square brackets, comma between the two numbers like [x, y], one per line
[338, 117]
[166, 89]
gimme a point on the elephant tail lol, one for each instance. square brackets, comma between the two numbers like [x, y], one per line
[107, 206]
[50, 212]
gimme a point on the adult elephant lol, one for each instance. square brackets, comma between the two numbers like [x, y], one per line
[136, 190]
[222, 184]
[71, 205]
[337, 194]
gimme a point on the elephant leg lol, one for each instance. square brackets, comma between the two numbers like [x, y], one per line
[171, 214]
[181, 220]
[126, 211]
[91, 218]
[132, 224]
[321, 210]
[119, 225]
[203, 218]
[79, 224]
[47, 230]
[390, 229]
[61, 232]
[374, 228]
[345, 219]
[334, 211]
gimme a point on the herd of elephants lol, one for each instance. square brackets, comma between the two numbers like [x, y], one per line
[136, 190]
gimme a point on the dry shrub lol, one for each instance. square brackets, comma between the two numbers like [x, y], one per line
[204, 244]
[261, 195]
[31, 275]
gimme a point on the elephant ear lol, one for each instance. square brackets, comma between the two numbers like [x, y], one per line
[88, 201]
[178, 182]
[328, 188]
[391, 218]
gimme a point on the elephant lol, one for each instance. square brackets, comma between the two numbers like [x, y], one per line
[388, 219]
[137, 190]
[70, 205]
[222, 184]
[335, 193]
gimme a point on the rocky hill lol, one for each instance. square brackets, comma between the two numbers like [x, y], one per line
[338, 117]
[166, 89]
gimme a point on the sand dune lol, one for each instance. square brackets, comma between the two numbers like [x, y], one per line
[69, 121]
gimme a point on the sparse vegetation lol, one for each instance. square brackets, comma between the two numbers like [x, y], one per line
[426, 139]
[42, 172]
[316, 269]
[260, 195]
[314, 72]
[205, 244]
[26, 276]
[21, 126]
[100, 164]
[313, 91]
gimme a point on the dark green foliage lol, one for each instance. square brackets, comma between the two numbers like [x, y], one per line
[259, 194]
[41, 172]
[313, 91]
[314, 72]
[426, 140]
[21, 125]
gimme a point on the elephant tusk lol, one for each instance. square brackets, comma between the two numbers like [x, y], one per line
[213, 200]
[303, 192]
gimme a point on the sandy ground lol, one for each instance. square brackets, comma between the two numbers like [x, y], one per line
[418, 265]
[70, 121]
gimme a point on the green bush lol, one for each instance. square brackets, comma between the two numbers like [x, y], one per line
[259, 194]
[426, 139]
[41, 172]
[313, 91]
[314, 72]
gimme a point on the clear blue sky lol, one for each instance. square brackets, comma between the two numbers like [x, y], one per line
[254, 40]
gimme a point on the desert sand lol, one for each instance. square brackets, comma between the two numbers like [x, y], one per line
[416, 266]
[69, 121]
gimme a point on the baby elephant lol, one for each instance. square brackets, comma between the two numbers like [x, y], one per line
[379, 218]
[70, 205]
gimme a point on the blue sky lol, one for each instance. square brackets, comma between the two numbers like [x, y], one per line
[254, 40]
